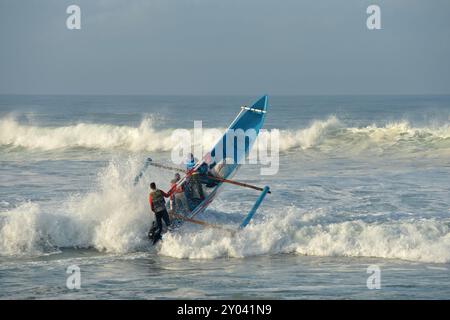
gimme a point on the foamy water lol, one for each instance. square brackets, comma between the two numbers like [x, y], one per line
[359, 187]
[115, 216]
[327, 134]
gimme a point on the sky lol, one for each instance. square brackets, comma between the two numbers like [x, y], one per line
[252, 47]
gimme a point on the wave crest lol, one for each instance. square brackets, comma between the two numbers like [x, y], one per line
[324, 135]
[295, 232]
[113, 217]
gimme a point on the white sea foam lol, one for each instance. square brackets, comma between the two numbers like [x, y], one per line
[84, 135]
[332, 134]
[295, 232]
[312, 136]
[114, 217]
[19, 231]
[93, 136]
[329, 134]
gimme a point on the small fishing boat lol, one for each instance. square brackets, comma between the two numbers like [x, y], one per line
[220, 164]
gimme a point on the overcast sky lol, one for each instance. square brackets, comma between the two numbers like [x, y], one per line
[225, 47]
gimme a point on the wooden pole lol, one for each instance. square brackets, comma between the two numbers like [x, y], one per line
[199, 222]
[237, 183]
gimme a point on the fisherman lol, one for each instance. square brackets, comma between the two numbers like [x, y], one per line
[190, 162]
[158, 206]
[195, 189]
[205, 176]
[178, 197]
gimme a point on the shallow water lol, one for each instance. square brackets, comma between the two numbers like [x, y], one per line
[282, 276]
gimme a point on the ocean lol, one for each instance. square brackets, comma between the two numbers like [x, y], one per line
[363, 184]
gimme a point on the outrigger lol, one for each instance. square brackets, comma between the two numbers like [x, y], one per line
[221, 165]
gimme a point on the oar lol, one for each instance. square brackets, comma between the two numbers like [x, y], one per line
[237, 183]
[199, 222]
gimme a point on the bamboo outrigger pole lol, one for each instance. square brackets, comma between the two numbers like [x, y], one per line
[158, 165]
[199, 222]
[237, 183]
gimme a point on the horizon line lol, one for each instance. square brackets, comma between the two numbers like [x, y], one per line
[224, 94]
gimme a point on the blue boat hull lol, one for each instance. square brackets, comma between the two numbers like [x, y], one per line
[225, 158]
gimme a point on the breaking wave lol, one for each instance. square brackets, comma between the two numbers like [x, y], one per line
[84, 135]
[305, 233]
[114, 217]
[325, 135]
[333, 135]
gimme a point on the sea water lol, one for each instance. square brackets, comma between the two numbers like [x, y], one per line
[362, 181]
